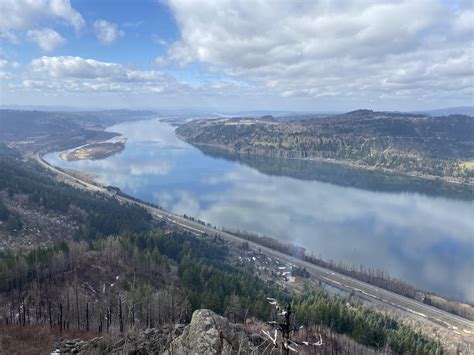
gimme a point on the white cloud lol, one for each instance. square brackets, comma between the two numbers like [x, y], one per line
[107, 32]
[22, 15]
[78, 74]
[6, 75]
[67, 67]
[86, 82]
[363, 49]
[5, 63]
[46, 38]
[464, 22]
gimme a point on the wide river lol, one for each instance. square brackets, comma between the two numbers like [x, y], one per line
[420, 231]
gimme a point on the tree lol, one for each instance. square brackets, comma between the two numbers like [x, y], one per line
[14, 224]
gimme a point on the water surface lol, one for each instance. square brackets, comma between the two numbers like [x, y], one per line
[420, 231]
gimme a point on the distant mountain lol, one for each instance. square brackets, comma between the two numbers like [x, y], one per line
[463, 110]
[256, 113]
[44, 108]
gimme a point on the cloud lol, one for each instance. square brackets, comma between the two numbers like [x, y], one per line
[23, 15]
[326, 48]
[107, 32]
[76, 74]
[464, 22]
[86, 81]
[46, 38]
[6, 75]
[60, 75]
[5, 63]
[76, 67]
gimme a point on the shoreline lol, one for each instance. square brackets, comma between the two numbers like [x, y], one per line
[94, 151]
[344, 163]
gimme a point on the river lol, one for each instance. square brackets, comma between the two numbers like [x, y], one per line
[417, 230]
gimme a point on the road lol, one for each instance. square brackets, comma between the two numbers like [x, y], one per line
[455, 324]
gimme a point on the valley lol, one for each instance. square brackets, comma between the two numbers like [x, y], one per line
[329, 206]
[398, 304]
[77, 282]
[155, 137]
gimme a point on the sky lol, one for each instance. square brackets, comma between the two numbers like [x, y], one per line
[238, 55]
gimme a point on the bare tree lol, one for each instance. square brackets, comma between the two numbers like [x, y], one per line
[281, 338]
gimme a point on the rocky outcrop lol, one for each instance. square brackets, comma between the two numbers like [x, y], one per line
[209, 333]
[149, 341]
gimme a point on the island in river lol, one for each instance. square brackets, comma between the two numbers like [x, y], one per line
[95, 151]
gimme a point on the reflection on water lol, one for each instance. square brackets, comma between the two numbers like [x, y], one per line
[343, 175]
[409, 228]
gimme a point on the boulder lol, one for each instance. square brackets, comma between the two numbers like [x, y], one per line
[209, 333]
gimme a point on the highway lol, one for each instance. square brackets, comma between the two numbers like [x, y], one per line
[455, 324]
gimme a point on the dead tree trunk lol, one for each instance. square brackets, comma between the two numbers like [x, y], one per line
[87, 316]
[120, 315]
[60, 317]
[50, 312]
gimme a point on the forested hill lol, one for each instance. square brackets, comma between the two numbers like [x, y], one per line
[414, 144]
[41, 130]
[35, 209]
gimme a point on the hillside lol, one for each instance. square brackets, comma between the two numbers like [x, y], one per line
[39, 211]
[32, 131]
[412, 144]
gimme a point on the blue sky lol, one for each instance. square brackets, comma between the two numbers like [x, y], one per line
[237, 54]
[144, 27]
[142, 23]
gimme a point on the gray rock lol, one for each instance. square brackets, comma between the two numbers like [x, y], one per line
[119, 344]
[209, 333]
[149, 331]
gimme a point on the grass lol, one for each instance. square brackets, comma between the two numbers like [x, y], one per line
[34, 339]
[25, 340]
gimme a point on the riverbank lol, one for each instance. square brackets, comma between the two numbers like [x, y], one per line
[347, 163]
[431, 148]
